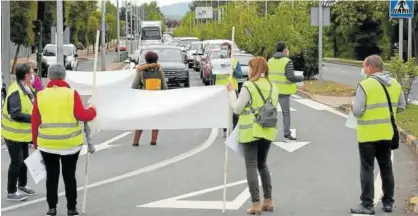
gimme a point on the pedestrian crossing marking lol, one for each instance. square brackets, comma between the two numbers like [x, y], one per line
[401, 8]
[279, 109]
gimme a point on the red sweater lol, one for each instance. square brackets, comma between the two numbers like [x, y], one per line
[80, 113]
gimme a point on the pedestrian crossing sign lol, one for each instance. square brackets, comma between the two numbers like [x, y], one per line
[401, 9]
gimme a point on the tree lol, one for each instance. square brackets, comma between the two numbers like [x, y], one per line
[21, 32]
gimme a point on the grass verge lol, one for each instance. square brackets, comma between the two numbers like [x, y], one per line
[329, 88]
[408, 120]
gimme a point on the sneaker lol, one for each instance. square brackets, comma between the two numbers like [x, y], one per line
[52, 211]
[363, 210]
[16, 196]
[387, 208]
[289, 138]
[27, 190]
[72, 212]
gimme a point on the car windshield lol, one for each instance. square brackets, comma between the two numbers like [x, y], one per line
[151, 34]
[214, 54]
[243, 60]
[196, 46]
[186, 42]
[51, 51]
[164, 54]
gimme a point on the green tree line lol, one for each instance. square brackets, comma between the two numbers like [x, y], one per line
[358, 29]
[82, 17]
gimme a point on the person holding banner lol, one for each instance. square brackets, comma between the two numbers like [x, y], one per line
[16, 131]
[283, 75]
[57, 134]
[149, 76]
[258, 99]
[226, 50]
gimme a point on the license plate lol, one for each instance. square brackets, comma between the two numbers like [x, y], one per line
[166, 79]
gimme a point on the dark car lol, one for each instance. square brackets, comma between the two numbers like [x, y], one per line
[173, 63]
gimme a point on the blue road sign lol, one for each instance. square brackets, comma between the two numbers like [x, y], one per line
[402, 9]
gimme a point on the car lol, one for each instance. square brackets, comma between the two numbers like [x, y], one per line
[121, 48]
[194, 47]
[173, 63]
[206, 72]
[49, 57]
[186, 42]
[243, 60]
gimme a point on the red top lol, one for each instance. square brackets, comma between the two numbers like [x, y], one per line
[80, 113]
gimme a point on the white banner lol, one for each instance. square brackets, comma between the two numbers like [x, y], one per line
[221, 66]
[299, 73]
[187, 108]
[36, 166]
[204, 12]
[82, 81]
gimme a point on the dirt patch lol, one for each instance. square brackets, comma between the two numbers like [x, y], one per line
[329, 88]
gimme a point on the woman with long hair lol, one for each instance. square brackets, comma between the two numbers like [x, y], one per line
[255, 138]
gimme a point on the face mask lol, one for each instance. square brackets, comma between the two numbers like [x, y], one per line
[363, 74]
[224, 53]
[288, 53]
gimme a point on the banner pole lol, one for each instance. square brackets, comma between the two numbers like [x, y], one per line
[228, 132]
[86, 172]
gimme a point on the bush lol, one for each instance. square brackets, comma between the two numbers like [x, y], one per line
[405, 73]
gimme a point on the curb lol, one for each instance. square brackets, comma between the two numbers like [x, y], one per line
[409, 139]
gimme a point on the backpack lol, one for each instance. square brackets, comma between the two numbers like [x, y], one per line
[266, 116]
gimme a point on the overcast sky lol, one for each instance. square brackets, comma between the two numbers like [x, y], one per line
[160, 2]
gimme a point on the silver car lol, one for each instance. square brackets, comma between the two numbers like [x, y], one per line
[49, 57]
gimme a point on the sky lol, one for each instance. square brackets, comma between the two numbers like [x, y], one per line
[160, 2]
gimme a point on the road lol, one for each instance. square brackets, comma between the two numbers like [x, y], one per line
[320, 178]
[350, 75]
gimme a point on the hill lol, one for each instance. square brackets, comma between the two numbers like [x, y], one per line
[175, 11]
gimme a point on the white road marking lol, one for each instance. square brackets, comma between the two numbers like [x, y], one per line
[296, 96]
[290, 146]
[279, 108]
[312, 104]
[177, 202]
[106, 144]
[161, 164]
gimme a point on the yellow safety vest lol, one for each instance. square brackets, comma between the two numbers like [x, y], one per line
[224, 79]
[248, 129]
[59, 129]
[277, 69]
[375, 123]
[11, 129]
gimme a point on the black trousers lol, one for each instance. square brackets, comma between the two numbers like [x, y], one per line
[52, 166]
[18, 171]
[381, 150]
[255, 155]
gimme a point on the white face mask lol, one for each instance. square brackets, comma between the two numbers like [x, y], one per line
[363, 74]
[32, 78]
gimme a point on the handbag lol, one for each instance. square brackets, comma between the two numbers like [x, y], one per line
[395, 139]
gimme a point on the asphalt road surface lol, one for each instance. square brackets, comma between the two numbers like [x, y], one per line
[183, 173]
[350, 75]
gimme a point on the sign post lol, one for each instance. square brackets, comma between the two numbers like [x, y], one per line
[403, 9]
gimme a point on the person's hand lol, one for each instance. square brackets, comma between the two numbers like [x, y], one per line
[230, 87]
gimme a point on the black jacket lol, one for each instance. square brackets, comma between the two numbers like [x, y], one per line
[14, 106]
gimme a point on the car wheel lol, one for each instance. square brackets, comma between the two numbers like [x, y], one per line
[190, 65]
[187, 83]
[206, 82]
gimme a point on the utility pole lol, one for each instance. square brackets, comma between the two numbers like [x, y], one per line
[410, 38]
[103, 36]
[5, 41]
[126, 24]
[118, 30]
[401, 38]
[130, 11]
[266, 9]
[320, 14]
[60, 32]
